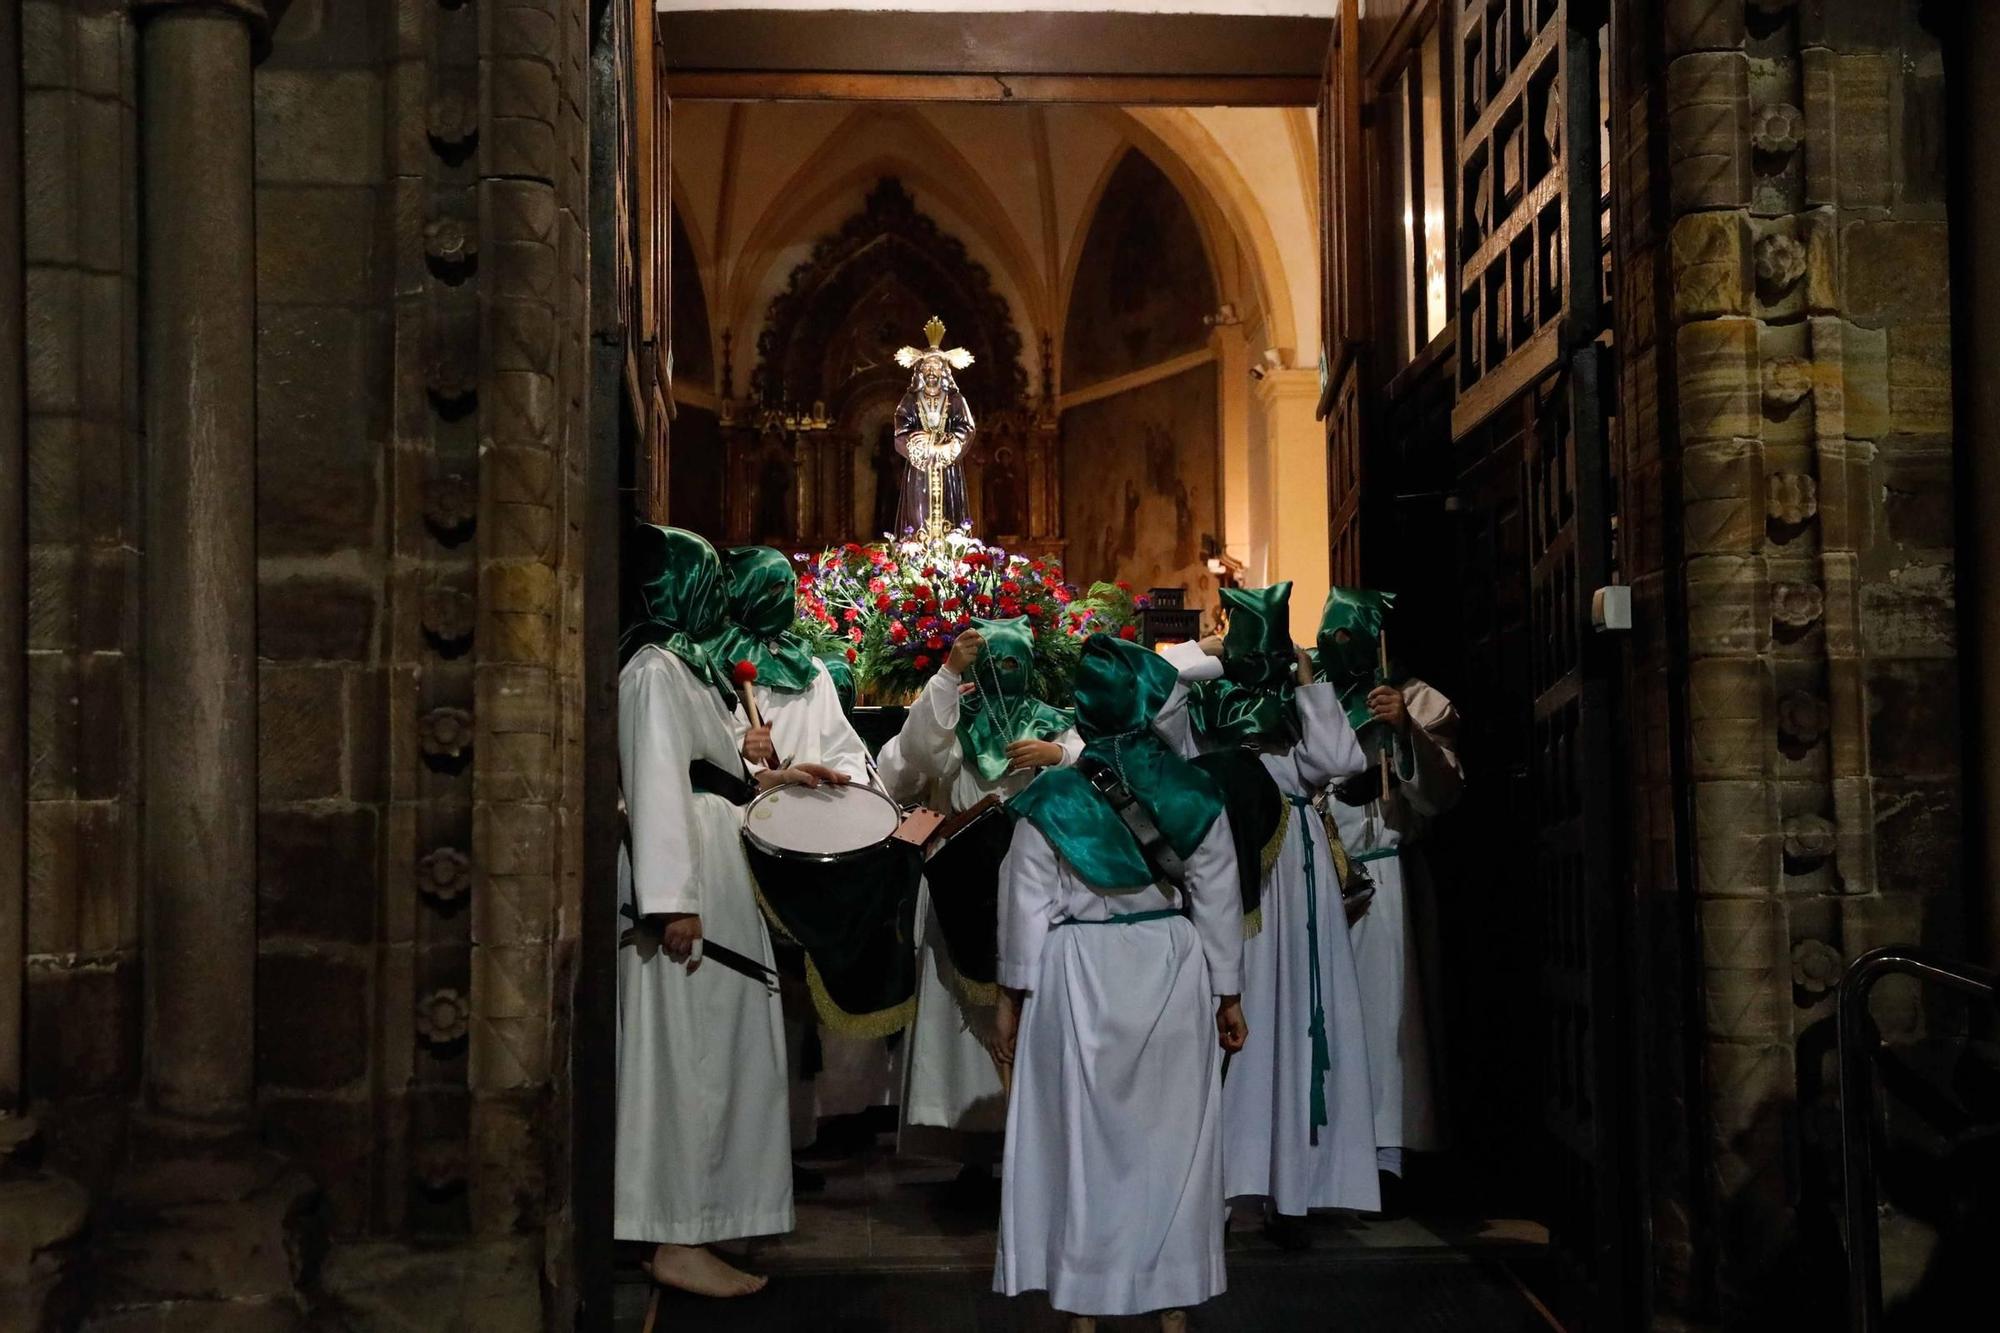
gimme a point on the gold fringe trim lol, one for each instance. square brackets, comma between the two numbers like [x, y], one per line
[969, 994]
[1253, 924]
[1276, 845]
[777, 927]
[841, 1023]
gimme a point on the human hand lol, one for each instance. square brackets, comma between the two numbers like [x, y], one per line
[801, 775]
[682, 931]
[1386, 702]
[1028, 753]
[1230, 1028]
[965, 651]
[757, 746]
[1212, 645]
[1305, 665]
[1006, 1026]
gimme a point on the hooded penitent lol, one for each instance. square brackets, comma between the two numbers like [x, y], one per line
[763, 606]
[1002, 708]
[681, 602]
[1253, 700]
[1120, 689]
[1350, 647]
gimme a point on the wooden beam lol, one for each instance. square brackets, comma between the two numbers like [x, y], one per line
[1117, 90]
[994, 42]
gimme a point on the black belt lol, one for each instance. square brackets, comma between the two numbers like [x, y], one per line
[722, 956]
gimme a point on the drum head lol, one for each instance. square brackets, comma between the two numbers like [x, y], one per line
[820, 821]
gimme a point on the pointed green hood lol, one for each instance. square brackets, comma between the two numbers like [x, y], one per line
[1350, 647]
[680, 602]
[1001, 708]
[1253, 700]
[763, 606]
[1120, 689]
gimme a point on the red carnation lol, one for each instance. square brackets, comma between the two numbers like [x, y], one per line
[876, 585]
[909, 607]
[884, 602]
[934, 643]
[930, 604]
[923, 660]
[852, 615]
[852, 548]
[1123, 586]
[983, 602]
[1128, 632]
[1009, 587]
[896, 632]
[744, 672]
[851, 654]
[951, 603]
[1035, 609]
[855, 634]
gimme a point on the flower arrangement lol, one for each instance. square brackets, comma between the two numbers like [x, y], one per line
[895, 608]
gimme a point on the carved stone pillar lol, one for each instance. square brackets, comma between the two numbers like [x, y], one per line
[13, 574]
[201, 574]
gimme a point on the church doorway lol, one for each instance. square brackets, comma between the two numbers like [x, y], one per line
[1249, 300]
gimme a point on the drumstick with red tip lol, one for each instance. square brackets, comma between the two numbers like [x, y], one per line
[744, 673]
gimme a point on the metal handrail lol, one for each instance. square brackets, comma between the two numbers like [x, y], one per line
[1855, 1027]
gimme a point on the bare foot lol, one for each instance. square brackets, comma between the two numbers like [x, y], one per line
[1173, 1321]
[1083, 1323]
[693, 1268]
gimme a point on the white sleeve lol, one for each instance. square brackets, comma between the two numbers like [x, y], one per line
[1174, 726]
[1029, 880]
[1427, 757]
[810, 728]
[1328, 750]
[1192, 661]
[1071, 742]
[659, 800]
[1215, 902]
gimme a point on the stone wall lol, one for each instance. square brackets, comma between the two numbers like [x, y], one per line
[1786, 458]
[82, 1015]
[422, 382]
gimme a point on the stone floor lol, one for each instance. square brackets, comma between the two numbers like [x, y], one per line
[885, 1249]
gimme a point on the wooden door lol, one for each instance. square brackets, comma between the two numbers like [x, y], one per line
[1344, 293]
[1530, 360]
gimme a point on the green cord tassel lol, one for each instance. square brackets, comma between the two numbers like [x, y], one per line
[1322, 1056]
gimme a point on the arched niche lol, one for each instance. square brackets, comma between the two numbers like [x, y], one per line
[1143, 285]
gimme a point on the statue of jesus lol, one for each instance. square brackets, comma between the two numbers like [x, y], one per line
[933, 428]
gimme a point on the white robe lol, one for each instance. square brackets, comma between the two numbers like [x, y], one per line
[702, 1150]
[1268, 1149]
[1111, 1191]
[810, 727]
[949, 1079]
[1395, 941]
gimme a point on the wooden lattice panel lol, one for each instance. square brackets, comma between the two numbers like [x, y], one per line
[1512, 133]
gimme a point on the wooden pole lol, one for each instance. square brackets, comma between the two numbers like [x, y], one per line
[1382, 672]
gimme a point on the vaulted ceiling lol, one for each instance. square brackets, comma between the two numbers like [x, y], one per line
[756, 184]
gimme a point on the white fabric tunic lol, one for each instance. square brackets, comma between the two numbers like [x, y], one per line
[702, 1151]
[810, 727]
[1395, 941]
[949, 1079]
[1111, 1191]
[1269, 1149]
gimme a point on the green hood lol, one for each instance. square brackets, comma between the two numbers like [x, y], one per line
[1350, 647]
[1120, 689]
[763, 606]
[1253, 700]
[680, 602]
[1001, 708]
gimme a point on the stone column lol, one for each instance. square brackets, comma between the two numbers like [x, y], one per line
[1289, 400]
[201, 573]
[1978, 219]
[13, 569]
[1232, 403]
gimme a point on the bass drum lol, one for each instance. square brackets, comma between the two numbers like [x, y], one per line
[834, 880]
